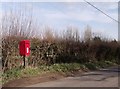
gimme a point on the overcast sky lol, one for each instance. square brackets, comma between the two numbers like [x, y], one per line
[59, 15]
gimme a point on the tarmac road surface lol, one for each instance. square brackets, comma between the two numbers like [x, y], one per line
[102, 78]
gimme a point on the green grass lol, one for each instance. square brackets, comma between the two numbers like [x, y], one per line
[17, 73]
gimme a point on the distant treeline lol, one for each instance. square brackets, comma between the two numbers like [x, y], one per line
[59, 51]
[49, 48]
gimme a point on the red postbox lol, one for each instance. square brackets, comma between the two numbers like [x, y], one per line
[24, 48]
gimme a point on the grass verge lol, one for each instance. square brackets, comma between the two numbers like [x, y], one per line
[63, 68]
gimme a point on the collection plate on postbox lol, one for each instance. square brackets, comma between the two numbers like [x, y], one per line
[24, 48]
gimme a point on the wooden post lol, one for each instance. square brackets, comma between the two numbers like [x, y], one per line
[24, 61]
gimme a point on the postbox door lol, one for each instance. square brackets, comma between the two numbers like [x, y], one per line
[22, 48]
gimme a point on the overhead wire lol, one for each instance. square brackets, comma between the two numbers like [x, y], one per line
[101, 11]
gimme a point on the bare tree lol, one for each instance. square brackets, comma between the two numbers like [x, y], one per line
[87, 34]
[48, 34]
[15, 27]
[72, 34]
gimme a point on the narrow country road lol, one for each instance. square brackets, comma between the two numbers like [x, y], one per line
[102, 78]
